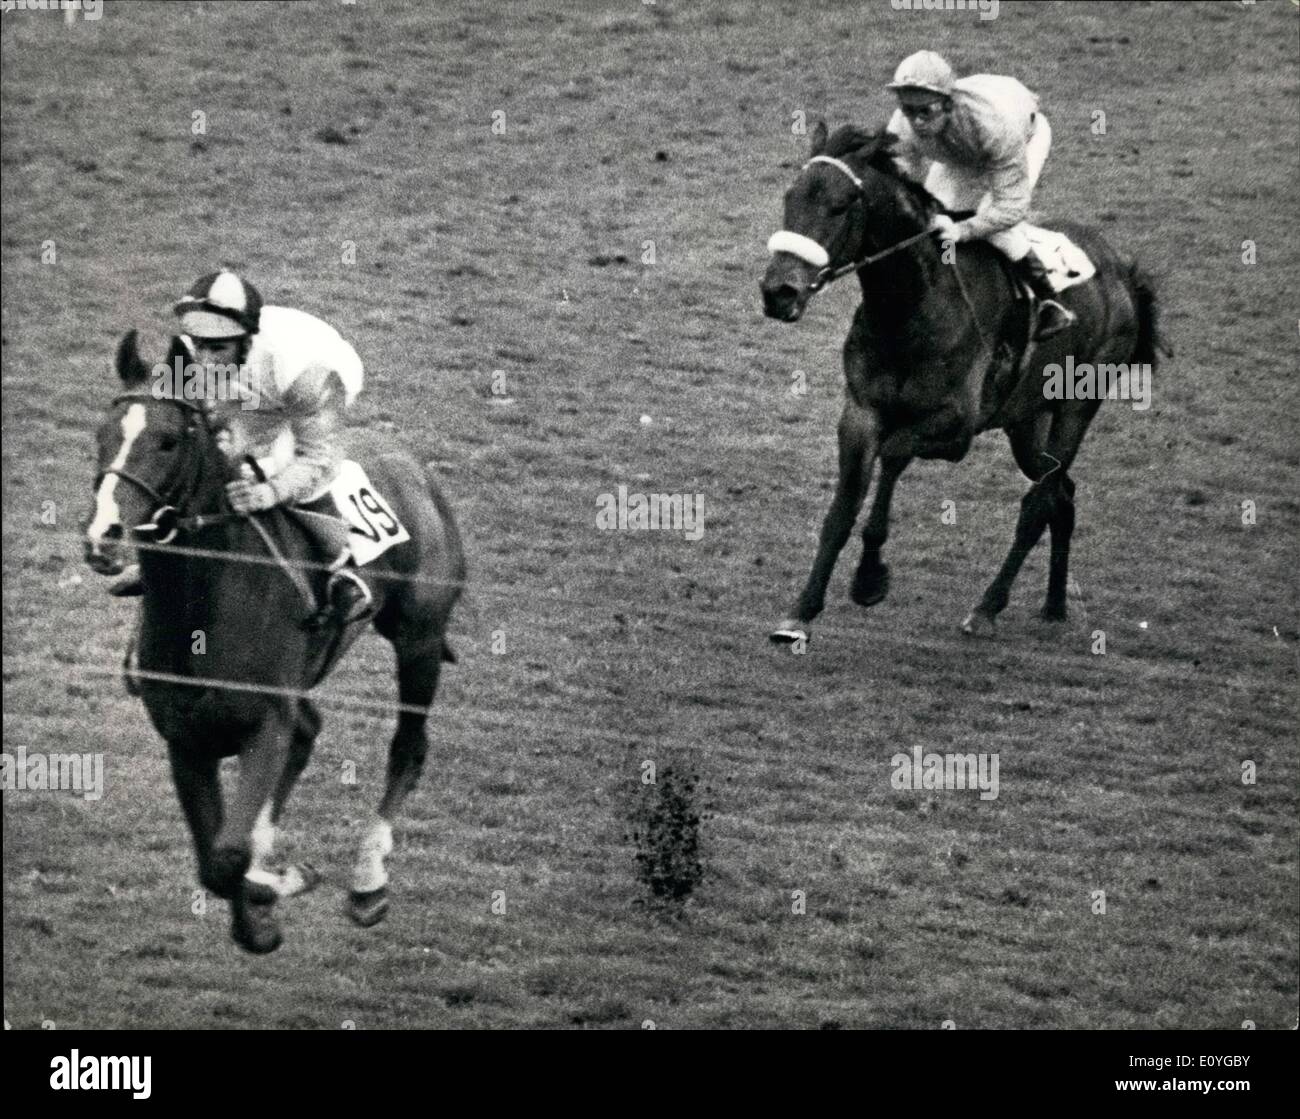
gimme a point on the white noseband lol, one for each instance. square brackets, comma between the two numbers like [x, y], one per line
[796, 244]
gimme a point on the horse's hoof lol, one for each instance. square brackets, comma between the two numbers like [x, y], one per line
[253, 925]
[789, 632]
[1053, 613]
[368, 907]
[977, 624]
[872, 587]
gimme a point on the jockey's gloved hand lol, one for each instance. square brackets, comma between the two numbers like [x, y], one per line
[948, 229]
[246, 496]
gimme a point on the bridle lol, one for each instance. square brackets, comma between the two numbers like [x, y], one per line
[828, 274]
[166, 521]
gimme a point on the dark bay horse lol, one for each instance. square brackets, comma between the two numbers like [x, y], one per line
[930, 359]
[224, 660]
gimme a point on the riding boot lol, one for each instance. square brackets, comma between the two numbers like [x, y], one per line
[129, 584]
[1053, 316]
[347, 598]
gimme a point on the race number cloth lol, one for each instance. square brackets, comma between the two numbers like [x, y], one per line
[1066, 263]
[375, 527]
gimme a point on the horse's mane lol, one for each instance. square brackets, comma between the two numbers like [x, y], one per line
[850, 140]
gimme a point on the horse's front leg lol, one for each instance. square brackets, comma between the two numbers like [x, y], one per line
[871, 582]
[261, 763]
[198, 786]
[858, 432]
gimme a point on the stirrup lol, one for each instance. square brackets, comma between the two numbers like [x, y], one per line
[1050, 309]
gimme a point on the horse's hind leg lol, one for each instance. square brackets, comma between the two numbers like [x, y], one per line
[1058, 572]
[297, 878]
[417, 679]
[1044, 448]
[871, 582]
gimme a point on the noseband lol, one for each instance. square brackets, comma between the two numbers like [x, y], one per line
[815, 254]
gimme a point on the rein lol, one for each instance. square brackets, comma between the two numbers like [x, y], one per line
[829, 275]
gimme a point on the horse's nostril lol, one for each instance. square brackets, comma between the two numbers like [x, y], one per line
[113, 532]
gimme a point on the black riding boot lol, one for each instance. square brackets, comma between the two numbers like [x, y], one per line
[1053, 317]
[347, 598]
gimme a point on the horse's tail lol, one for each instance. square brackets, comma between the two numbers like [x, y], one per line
[1150, 343]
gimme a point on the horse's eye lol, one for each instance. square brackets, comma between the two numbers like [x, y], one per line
[168, 443]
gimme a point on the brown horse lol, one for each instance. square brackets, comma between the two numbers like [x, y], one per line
[932, 359]
[224, 660]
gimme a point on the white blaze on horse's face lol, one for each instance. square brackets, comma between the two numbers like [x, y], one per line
[107, 514]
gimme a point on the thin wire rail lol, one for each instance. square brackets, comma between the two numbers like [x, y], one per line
[250, 557]
[737, 622]
[377, 710]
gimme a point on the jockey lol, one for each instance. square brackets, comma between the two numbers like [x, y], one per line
[305, 376]
[987, 142]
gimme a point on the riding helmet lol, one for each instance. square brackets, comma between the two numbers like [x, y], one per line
[220, 305]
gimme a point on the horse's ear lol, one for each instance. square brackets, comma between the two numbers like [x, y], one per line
[129, 366]
[179, 351]
[818, 143]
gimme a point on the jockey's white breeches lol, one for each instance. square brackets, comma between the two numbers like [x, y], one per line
[960, 189]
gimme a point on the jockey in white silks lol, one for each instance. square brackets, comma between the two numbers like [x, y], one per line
[985, 142]
[301, 377]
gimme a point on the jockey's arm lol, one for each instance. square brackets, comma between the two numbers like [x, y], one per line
[1008, 196]
[313, 406]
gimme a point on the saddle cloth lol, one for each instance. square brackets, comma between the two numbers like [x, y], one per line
[375, 527]
[1067, 265]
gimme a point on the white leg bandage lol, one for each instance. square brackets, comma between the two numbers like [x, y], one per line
[262, 842]
[370, 873]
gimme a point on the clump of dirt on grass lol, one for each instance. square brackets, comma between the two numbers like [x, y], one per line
[666, 831]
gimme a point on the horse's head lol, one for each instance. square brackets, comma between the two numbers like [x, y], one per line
[849, 201]
[150, 448]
